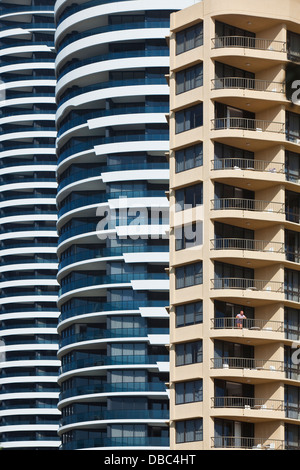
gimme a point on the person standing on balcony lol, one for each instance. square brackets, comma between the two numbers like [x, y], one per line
[240, 319]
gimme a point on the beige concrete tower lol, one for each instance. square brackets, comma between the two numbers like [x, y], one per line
[234, 174]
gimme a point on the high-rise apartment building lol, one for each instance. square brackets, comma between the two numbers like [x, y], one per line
[112, 100]
[29, 417]
[234, 227]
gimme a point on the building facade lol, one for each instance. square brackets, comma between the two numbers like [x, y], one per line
[112, 100]
[234, 227]
[29, 417]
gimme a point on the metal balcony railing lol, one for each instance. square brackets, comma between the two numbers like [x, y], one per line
[248, 403]
[248, 42]
[248, 363]
[246, 244]
[234, 203]
[247, 84]
[248, 323]
[255, 443]
[247, 164]
[247, 284]
[242, 123]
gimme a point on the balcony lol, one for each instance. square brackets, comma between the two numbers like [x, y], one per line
[262, 246]
[255, 324]
[241, 83]
[247, 164]
[121, 387]
[103, 415]
[248, 403]
[247, 42]
[255, 205]
[247, 124]
[231, 442]
[247, 284]
[247, 363]
[140, 442]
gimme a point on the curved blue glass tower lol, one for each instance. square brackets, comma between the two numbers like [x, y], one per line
[112, 98]
[29, 416]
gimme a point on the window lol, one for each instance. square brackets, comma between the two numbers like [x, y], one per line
[232, 36]
[189, 236]
[292, 206]
[127, 431]
[230, 275]
[127, 349]
[293, 46]
[292, 246]
[189, 157]
[189, 78]
[189, 38]
[188, 392]
[189, 118]
[292, 126]
[291, 285]
[226, 156]
[127, 376]
[224, 70]
[188, 275]
[188, 197]
[189, 430]
[188, 353]
[292, 437]
[292, 401]
[292, 323]
[292, 166]
[189, 314]
[291, 363]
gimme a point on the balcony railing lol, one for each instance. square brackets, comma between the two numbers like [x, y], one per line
[248, 323]
[249, 43]
[247, 284]
[235, 203]
[242, 123]
[246, 363]
[247, 84]
[248, 403]
[260, 443]
[247, 164]
[247, 244]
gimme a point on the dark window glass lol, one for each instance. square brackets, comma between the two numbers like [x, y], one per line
[189, 430]
[189, 157]
[189, 118]
[189, 78]
[189, 275]
[188, 392]
[189, 38]
[189, 314]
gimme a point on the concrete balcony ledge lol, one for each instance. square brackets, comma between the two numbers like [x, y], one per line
[247, 363]
[247, 284]
[247, 443]
[255, 205]
[252, 84]
[253, 324]
[244, 368]
[247, 42]
[246, 124]
[264, 246]
[247, 403]
[247, 164]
